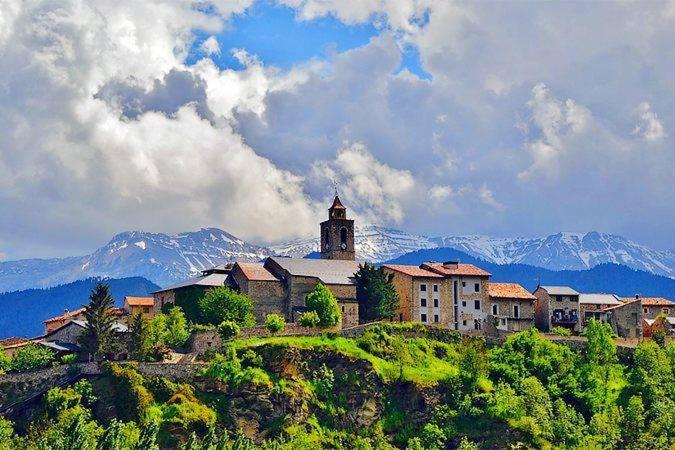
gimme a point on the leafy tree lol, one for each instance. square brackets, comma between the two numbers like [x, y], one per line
[7, 435]
[433, 438]
[148, 438]
[322, 300]
[633, 424]
[600, 351]
[97, 338]
[5, 361]
[222, 303]
[32, 357]
[274, 323]
[652, 376]
[140, 343]
[228, 330]
[375, 293]
[309, 319]
[113, 438]
[466, 444]
[170, 329]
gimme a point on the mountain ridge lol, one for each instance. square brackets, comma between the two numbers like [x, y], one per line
[169, 258]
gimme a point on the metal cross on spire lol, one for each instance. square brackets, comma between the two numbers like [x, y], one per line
[335, 186]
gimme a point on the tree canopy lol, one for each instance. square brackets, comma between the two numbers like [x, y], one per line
[322, 300]
[98, 337]
[375, 293]
[222, 303]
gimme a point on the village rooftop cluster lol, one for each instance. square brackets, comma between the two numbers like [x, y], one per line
[451, 295]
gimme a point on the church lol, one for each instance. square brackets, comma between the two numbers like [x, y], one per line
[280, 285]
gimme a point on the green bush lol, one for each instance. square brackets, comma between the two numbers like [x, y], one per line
[32, 357]
[169, 329]
[309, 319]
[5, 362]
[274, 323]
[228, 330]
[251, 359]
[322, 300]
[561, 331]
[224, 304]
[70, 358]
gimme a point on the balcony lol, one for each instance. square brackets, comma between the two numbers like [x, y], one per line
[564, 319]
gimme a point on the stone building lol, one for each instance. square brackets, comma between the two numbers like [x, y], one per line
[54, 323]
[280, 285]
[460, 290]
[626, 318]
[653, 307]
[193, 288]
[557, 306]
[420, 292]
[139, 305]
[593, 306]
[511, 307]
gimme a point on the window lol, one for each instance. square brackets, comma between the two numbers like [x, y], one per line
[423, 287]
[435, 303]
[423, 318]
[343, 309]
[343, 237]
[400, 317]
[665, 311]
[495, 310]
[476, 304]
[476, 287]
[516, 311]
[464, 322]
[558, 298]
[435, 288]
[504, 322]
[463, 283]
[645, 310]
[435, 318]
[423, 302]
[463, 303]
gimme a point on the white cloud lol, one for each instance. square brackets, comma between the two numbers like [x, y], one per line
[379, 191]
[210, 46]
[439, 193]
[650, 127]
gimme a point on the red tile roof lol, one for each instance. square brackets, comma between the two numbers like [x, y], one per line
[458, 270]
[12, 341]
[510, 290]
[337, 204]
[256, 272]
[653, 301]
[65, 316]
[412, 271]
[139, 301]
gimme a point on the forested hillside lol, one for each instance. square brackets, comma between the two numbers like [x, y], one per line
[394, 386]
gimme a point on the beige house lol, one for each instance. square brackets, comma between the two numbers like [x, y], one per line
[424, 296]
[139, 305]
[557, 306]
[459, 290]
[511, 307]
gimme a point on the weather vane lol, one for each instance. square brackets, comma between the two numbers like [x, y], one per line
[335, 186]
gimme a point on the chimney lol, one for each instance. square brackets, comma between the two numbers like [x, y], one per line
[451, 264]
[65, 311]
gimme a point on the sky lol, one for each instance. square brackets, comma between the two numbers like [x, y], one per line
[433, 116]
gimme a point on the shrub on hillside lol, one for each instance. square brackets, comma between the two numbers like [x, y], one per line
[561, 331]
[222, 303]
[251, 359]
[322, 300]
[228, 330]
[32, 357]
[5, 362]
[274, 323]
[309, 319]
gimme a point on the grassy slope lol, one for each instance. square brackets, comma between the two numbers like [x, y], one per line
[420, 365]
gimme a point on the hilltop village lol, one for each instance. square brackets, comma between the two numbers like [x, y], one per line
[449, 295]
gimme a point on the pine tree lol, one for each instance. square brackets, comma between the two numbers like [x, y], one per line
[375, 293]
[98, 336]
[140, 344]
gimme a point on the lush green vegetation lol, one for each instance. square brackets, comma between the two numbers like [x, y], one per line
[322, 300]
[222, 303]
[98, 339]
[395, 386]
[31, 357]
[375, 293]
[309, 319]
[274, 323]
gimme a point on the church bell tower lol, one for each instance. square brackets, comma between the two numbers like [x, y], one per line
[337, 234]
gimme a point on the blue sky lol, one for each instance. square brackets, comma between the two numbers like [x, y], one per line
[519, 118]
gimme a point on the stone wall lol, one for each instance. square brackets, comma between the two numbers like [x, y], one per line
[626, 320]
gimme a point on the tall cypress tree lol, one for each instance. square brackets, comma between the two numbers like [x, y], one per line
[375, 293]
[98, 336]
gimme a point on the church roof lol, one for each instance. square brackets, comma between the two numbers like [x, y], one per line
[337, 204]
[256, 272]
[328, 271]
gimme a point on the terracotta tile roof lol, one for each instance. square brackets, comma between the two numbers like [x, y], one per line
[337, 204]
[65, 316]
[413, 271]
[12, 341]
[626, 302]
[510, 290]
[458, 269]
[256, 272]
[139, 301]
[653, 301]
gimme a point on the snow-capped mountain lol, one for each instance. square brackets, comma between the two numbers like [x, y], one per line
[372, 243]
[573, 251]
[166, 259]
